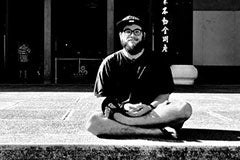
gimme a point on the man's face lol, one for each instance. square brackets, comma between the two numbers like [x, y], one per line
[132, 38]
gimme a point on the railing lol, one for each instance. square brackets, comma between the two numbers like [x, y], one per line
[71, 59]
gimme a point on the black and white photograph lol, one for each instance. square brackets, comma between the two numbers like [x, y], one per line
[119, 79]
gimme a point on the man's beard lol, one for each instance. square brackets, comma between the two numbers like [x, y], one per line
[133, 48]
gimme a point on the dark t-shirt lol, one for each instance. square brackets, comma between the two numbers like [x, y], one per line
[140, 80]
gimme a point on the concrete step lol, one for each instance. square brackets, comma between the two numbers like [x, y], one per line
[86, 146]
[119, 152]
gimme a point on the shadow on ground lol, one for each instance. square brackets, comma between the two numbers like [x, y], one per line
[209, 134]
[193, 135]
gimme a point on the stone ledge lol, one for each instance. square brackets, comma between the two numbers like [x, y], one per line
[116, 152]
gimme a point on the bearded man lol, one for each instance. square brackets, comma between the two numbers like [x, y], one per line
[136, 84]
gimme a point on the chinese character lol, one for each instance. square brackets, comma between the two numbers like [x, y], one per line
[165, 48]
[164, 12]
[165, 2]
[164, 21]
[165, 39]
[164, 30]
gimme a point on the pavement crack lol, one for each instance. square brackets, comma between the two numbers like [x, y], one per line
[77, 101]
[67, 114]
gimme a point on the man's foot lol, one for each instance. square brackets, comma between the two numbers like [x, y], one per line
[109, 107]
[109, 111]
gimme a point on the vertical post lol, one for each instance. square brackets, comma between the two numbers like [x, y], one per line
[56, 72]
[4, 52]
[47, 41]
[110, 26]
[151, 25]
[6, 36]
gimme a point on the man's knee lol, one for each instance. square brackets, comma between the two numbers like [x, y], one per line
[94, 124]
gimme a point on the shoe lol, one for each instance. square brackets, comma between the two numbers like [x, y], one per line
[109, 107]
[109, 110]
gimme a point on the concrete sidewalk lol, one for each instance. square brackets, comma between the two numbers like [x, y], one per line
[50, 125]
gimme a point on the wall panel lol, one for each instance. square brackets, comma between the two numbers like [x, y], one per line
[216, 38]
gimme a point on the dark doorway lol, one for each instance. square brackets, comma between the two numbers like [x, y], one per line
[24, 27]
[182, 15]
[80, 39]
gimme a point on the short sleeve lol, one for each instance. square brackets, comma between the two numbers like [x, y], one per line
[102, 79]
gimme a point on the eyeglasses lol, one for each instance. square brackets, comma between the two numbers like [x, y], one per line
[136, 32]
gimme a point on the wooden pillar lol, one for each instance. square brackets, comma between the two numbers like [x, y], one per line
[110, 26]
[47, 41]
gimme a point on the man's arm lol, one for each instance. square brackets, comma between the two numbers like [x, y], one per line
[165, 114]
[160, 99]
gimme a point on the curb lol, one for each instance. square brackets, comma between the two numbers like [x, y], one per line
[116, 152]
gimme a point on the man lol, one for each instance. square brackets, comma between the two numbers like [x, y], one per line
[137, 84]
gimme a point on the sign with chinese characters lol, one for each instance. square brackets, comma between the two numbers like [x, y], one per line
[165, 27]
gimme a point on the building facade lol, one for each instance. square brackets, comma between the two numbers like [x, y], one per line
[51, 41]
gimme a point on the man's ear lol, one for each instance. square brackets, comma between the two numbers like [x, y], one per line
[120, 33]
[144, 35]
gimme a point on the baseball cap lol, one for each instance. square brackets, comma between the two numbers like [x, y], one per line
[129, 20]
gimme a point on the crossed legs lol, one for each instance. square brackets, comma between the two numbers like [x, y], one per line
[172, 114]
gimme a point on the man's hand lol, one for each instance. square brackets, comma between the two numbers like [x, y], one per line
[137, 110]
